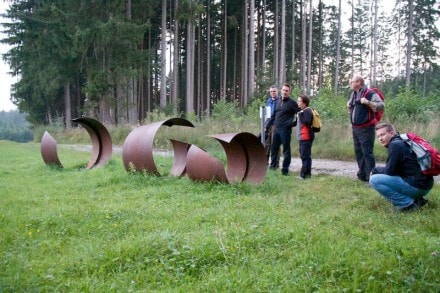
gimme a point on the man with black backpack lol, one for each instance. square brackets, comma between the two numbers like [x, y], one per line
[363, 106]
[401, 180]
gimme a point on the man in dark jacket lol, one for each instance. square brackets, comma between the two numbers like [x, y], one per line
[401, 181]
[285, 111]
[362, 107]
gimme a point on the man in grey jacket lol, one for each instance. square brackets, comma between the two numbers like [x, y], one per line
[362, 105]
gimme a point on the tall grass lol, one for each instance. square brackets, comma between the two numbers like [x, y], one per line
[106, 230]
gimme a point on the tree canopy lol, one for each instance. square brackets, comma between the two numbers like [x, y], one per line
[118, 60]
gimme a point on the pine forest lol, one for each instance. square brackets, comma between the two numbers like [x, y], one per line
[119, 60]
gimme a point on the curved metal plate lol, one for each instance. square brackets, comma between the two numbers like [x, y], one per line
[246, 157]
[180, 152]
[201, 166]
[101, 141]
[137, 150]
[49, 150]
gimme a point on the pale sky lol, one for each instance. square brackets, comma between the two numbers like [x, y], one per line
[5, 79]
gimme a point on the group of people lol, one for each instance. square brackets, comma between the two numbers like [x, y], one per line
[279, 126]
[400, 181]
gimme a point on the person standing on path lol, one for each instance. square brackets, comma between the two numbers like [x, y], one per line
[283, 121]
[271, 103]
[305, 136]
[363, 121]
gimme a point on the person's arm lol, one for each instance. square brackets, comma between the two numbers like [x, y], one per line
[393, 162]
[375, 103]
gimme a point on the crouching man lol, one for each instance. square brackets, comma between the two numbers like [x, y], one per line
[401, 181]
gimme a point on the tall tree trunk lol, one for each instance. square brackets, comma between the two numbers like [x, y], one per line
[293, 42]
[321, 40]
[245, 57]
[251, 49]
[199, 83]
[409, 44]
[282, 61]
[375, 48]
[208, 61]
[309, 55]
[338, 49]
[352, 36]
[130, 95]
[190, 68]
[225, 54]
[67, 105]
[163, 58]
[263, 40]
[276, 47]
[175, 87]
[303, 44]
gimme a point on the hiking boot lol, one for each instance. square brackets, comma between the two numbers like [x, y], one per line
[420, 201]
[410, 208]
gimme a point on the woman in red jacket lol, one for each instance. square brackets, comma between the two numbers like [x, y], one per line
[305, 136]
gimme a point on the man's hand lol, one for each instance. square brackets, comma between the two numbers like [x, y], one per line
[364, 101]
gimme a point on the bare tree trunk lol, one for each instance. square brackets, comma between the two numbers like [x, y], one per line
[150, 74]
[67, 105]
[309, 62]
[338, 50]
[245, 56]
[208, 61]
[175, 87]
[303, 45]
[263, 40]
[409, 44]
[321, 58]
[199, 83]
[251, 87]
[225, 54]
[163, 56]
[375, 37]
[276, 48]
[352, 36]
[282, 61]
[190, 69]
[293, 41]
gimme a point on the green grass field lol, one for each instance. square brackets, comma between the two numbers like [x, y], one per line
[105, 230]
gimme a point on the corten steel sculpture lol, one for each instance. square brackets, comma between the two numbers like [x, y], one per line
[137, 150]
[49, 150]
[101, 144]
[201, 166]
[180, 152]
[245, 155]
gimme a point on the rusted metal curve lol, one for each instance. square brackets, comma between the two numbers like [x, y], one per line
[49, 150]
[137, 150]
[245, 155]
[201, 166]
[180, 152]
[102, 147]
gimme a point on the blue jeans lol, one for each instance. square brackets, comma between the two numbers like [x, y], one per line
[281, 136]
[396, 190]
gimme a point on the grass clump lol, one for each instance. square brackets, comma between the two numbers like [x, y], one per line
[108, 230]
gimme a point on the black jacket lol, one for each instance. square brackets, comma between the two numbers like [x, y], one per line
[402, 162]
[285, 111]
